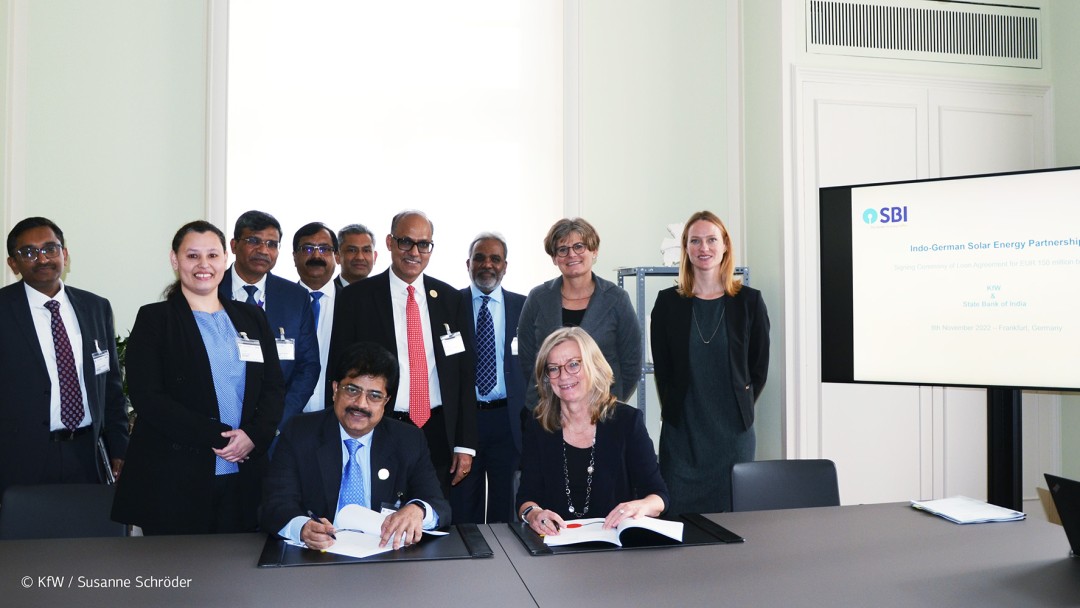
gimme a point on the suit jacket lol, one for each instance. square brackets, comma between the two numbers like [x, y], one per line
[169, 475]
[626, 467]
[305, 474]
[513, 378]
[289, 307]
[609, 320]
[747, 323]
[25, 388]
[364, 312]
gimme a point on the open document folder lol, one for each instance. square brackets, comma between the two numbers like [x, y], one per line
[964, 510]
[358, 531]
[592, 530]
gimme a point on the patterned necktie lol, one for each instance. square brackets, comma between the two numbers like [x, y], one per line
[71, 405]
[419, 394]
[251, 289]
[352, 480]
[315, 295]
[485, 349]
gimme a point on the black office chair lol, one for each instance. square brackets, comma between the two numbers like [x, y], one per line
[784, 484]
[58, 511]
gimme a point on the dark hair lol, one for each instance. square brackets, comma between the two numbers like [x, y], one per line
[367, 359]
[254, 221]
[201, 227]
[567, 226]
[409, 212]
[310, 229]
[29, 224]
[355, 229]
[489, 236]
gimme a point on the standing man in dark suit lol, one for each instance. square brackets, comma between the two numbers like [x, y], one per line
[315, 250]
[350, 454]
[255, 243]
[419, 319]
[500, 389]
[60, 386]
[356, 254]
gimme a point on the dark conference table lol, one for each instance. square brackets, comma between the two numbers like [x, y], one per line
[868, 555]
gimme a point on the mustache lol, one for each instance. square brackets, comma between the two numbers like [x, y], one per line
[356, 409]
[316, 262]
[261, 257]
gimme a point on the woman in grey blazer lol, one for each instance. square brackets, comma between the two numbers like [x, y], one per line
[580, 298]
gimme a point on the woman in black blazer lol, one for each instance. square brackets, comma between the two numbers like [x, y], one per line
[584, 455]
[710, 345]
[204, 380]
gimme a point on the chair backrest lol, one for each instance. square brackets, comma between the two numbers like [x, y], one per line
[784, 484]
[58, 511]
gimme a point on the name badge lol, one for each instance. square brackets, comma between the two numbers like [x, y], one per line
[286, 348]
[101, 360]
[452, 342]
[250, 350]
[513, 347]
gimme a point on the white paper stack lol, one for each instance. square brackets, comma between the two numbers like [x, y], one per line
[964, 510]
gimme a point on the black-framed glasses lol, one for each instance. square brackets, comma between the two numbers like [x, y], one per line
[572, 367]
[406, 244]
[354, 393]
[31, 253]
[311, 249]
[256, 242]
[562, 251]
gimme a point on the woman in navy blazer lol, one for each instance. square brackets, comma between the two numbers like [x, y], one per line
[584, 454]
[190, 469]
[710, 346]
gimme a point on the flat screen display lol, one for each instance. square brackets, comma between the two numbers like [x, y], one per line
[970, 281]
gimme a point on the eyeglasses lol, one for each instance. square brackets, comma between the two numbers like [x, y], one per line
[572, 367]
[563, 251]
[354, 393]
[31, 253]
[406, 244]
[311, 249]
[256, 242]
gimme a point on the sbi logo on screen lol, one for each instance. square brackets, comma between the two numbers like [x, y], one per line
[886, 216]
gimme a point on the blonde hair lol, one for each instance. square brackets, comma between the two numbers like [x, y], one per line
[596, 373]
[685, 283]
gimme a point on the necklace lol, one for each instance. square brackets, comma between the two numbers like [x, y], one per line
[588, 479]
[569, 299]
[693, 315]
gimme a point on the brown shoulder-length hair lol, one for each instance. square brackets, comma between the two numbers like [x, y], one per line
[595, 371]
[727, 265]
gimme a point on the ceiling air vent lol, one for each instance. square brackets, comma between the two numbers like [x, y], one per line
[927, 31]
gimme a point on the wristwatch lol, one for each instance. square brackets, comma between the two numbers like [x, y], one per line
[525, 513]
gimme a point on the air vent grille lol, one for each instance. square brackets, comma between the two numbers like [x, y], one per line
[923, 30]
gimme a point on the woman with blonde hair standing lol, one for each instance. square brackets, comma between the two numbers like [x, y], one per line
[710, 345]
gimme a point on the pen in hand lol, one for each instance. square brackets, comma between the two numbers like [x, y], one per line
[321, 521]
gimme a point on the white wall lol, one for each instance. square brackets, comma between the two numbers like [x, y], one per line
[109, 134]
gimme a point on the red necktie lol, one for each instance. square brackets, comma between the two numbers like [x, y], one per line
[419, 394]
[71, 405]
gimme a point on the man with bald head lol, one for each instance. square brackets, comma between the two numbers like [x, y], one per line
[420, 320]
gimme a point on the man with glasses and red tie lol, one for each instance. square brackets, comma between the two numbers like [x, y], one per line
[60, 385]
[420, 320]
[256, 242]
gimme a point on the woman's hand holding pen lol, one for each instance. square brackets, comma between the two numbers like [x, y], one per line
[545, 522]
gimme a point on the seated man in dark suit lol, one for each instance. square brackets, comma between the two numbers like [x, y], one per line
[350, 454]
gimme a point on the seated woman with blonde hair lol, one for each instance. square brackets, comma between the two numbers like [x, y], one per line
[584, 454]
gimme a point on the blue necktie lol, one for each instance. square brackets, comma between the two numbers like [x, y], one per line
[485, 349]
[315, 295]
[251, 289]
[352, 479]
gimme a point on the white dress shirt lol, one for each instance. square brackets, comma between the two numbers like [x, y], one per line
[43, 327]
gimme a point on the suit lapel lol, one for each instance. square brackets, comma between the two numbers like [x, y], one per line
[382, 459]
[24, 321]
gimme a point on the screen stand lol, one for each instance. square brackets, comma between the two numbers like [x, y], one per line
[1004, 442]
